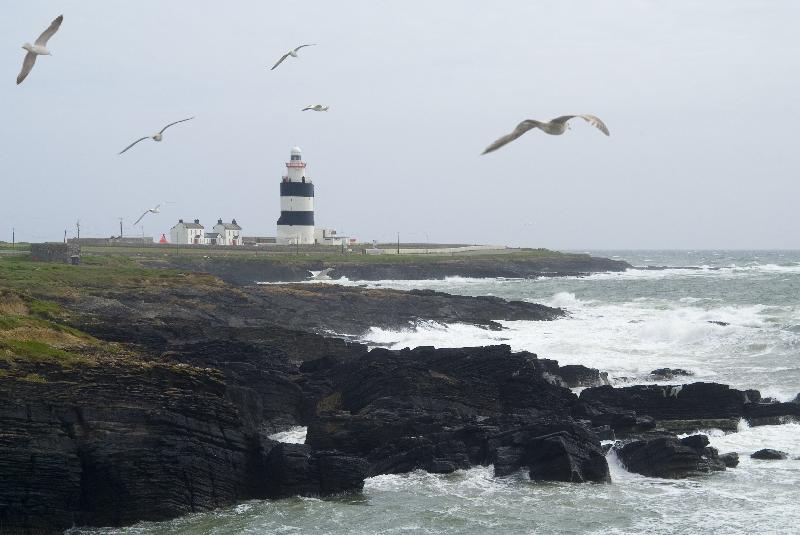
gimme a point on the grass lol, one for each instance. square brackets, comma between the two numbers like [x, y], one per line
[285, 255]
[35, 351]
[51, 280]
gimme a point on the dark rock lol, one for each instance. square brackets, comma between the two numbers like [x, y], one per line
[730, 425]
[577, 375]
[683, 402]
[664, 374]
[622, 421]
[720, 323]
[567, 453]
[771, 413]
[448, 409]
[669, 457]
[354, 309]
[698, 442]
[769, 455]
[731, 460]
[295, 469]
[248, 271]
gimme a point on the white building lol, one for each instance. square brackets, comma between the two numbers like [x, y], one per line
[213, 238]
[228, 233]
[296, 224]
[188, 233]
[327, 236]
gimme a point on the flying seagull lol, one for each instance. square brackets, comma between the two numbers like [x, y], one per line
[292, 53]
[556, 127]
[148, 211]
[39, 48]
[316, 107]
[155, 137]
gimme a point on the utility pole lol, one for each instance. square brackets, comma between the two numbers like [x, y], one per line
[78, 227]
[398, 243]
[13, 238]
[120, 228]
[65, 235]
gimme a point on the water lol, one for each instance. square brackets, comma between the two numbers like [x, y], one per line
[626, 324]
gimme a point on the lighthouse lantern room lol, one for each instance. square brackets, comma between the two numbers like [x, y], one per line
[296, 224]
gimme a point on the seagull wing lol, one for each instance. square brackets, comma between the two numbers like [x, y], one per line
[307, 108]
[155, 210]
[596, 122]
[134, 143]
[301, 46]
[280, 61]
[27, 65]
[141, 217]
[48, 33]
[591, 119]
[521, 128]
[326, 271]
[176, 122]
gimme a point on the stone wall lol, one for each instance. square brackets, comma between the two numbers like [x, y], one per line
[65, 253]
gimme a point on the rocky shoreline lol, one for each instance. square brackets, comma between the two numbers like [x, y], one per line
[138, 394]
[249, 271]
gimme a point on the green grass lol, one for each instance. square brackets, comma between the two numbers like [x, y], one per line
[34, 351]
[52, 280]
[10, 321]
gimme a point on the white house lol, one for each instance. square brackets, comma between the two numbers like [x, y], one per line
[188, 233]
[229, 233]
[213, 238]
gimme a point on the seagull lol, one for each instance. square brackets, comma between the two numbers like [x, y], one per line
[556, 127]
[148, 211]
[292, 53]
[320, 275]
[316, 107]
[39, 48]
[155, 137]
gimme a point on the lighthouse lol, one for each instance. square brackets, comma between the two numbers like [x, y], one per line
[296, 224]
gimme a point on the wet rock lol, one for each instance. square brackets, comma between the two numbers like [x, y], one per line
[720, 323]
[568, 453]
[768, 454]
[682, 402]
[577, 375]
[665, 374]
[771, 413]
[296, 469]
[621, 421]
[729, 425]
[268, 270]
[670, 457]
[731, 460]
[446, 409]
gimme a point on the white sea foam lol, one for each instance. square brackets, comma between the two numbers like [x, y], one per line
[630, 339]
[295, 435]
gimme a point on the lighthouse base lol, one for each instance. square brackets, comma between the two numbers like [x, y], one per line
[295, 234]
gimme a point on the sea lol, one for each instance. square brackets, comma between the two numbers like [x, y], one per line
[726, 316]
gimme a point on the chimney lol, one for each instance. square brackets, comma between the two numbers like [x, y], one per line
[234, 221]
[180, 220]
[219, 221]
[197, 221]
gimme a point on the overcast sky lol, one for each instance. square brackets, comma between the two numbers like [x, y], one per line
[702, 100]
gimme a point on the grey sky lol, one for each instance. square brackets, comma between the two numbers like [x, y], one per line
[701, 99]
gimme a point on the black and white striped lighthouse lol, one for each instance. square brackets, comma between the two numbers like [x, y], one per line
[296, 224]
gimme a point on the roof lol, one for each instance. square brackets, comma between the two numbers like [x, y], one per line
[212, 234]
[228, 226]
[296, 150]
[188, 225]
